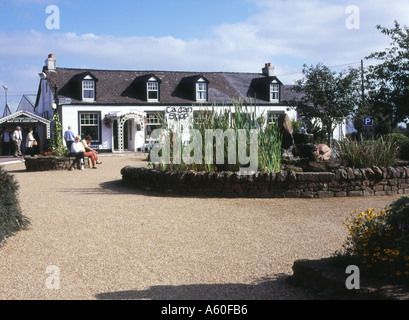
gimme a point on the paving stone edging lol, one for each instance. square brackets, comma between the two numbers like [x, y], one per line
[343, 182]
[329, 282]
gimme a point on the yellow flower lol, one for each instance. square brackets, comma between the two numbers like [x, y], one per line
[398, 273]
[395, 252]
[406, 258]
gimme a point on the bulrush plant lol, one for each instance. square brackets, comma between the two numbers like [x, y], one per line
[221, 139]
[382, 152]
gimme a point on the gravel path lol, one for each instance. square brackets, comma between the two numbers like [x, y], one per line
[102, 240]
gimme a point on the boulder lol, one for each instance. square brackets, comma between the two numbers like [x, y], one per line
[286, 129]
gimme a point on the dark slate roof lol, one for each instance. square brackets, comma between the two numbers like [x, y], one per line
[115, 87]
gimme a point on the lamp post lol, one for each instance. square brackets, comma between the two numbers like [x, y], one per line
[5, 92]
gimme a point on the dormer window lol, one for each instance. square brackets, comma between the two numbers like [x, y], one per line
[201, 90]
[152, 90]
[274, 92]
[88, 89]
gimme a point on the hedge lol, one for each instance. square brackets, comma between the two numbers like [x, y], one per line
[11, 218]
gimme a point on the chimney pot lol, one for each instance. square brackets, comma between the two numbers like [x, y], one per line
[268, 70]
[51, 63]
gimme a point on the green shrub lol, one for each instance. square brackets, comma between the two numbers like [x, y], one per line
[402, 142]
[382, 152]
[11, 218]
[379, 241]
[320, 135]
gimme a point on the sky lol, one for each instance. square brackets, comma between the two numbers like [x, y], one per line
[186, 35]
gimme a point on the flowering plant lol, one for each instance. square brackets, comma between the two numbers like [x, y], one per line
[107, 120]
[380, 240]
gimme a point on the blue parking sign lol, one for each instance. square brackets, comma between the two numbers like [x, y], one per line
[368, 122]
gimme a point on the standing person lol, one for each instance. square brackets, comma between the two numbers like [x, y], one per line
[69, 137]
[77, 151]
[17, 138]
[30, 143]
[6, 142]
[89, 152]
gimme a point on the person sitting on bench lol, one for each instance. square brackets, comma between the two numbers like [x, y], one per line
[89, 152]
[77, 151]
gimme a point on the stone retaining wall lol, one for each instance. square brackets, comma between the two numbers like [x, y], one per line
[50, 163]
[345, 182]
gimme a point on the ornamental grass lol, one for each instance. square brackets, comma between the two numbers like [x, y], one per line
[379, 241]
[382, 152]
[238, 117]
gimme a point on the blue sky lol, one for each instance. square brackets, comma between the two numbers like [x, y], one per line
[181, 18]
[223, 35]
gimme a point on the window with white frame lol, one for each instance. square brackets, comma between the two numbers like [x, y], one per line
[88, 90]
[274, 92]
[153, 121]
[273, 116]
[90, 124]
[153, 91]
[201, 91]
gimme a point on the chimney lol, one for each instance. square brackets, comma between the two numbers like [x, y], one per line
[51, 63]
[268, 70]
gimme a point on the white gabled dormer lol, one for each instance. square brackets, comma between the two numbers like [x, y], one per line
[274, 91]
[152, 89]
[201, 89]
[88, 88]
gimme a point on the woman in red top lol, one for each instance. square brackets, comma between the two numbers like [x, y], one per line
[89, 152]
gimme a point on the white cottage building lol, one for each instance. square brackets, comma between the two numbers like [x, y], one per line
[120, 109]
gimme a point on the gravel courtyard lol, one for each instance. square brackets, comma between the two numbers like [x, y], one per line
[105, 241]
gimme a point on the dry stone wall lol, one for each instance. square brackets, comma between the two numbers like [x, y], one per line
[50, 163]
[342, 182]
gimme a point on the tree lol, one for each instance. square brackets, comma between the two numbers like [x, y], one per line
[388, 81]
[326, 95]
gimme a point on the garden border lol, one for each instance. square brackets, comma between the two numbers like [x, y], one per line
[49, 163]
[341, 182]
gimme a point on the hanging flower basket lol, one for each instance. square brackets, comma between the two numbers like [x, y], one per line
[107, 120]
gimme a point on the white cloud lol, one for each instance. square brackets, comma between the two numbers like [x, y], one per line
[287, 33]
